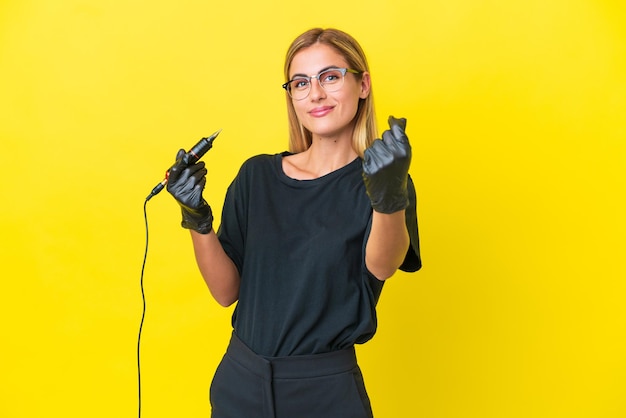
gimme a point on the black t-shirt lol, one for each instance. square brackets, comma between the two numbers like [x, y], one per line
[299, 246]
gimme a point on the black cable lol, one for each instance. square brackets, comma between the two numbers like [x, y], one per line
[143, 313]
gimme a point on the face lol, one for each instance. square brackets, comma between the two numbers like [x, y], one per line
[327, 114]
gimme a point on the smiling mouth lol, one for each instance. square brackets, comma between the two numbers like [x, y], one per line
[320, 111]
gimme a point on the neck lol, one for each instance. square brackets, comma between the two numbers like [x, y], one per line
[329, 154]
[324, 156]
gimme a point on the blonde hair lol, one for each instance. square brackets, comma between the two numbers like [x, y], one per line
[365, 130]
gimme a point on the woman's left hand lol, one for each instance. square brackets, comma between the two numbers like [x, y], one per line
[386, 168]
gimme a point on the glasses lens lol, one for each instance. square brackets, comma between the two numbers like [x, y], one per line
[331, 80]
[299, 88]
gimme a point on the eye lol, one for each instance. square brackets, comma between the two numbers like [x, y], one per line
[299, 83]
[330, 76]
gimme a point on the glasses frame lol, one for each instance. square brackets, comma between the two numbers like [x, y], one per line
[343, 72]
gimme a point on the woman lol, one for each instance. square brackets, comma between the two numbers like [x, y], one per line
[306, 241]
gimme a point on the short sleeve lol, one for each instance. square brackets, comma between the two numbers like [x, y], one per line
[412, 261]
[232, 229]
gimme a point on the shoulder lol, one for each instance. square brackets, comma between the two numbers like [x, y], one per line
[259, 162]
[258, 168]
[259, 159]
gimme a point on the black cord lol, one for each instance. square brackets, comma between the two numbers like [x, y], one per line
[143, 298]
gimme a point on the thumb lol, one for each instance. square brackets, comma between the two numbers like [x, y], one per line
[178, 167]
[397, 122]
[182, 161]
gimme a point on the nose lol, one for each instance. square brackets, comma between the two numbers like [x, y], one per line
[317, 91]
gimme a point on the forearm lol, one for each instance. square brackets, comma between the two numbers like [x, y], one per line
[387, 244]
[217, 269]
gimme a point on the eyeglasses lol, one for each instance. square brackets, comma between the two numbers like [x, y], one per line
[330, 80]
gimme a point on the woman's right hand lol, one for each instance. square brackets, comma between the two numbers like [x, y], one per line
[186, 183]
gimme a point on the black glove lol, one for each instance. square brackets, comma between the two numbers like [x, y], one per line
[386, 168]
[186, 182]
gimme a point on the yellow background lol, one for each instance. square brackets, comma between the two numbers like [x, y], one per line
[516, 111]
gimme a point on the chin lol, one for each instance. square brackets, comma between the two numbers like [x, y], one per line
[326, 128]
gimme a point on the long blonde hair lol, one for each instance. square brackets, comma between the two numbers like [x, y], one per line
[365, 130]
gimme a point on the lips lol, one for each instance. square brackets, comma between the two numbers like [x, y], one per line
[321, 111]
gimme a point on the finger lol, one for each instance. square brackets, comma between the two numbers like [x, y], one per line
[199, 176]
[201, 183]
[379, 155]
[181, 161]
[389, 138]
[397, 127]
[369, 157]
[196, 167]
[174, 173]
[400, 122]
[196, 187]
[190, 176]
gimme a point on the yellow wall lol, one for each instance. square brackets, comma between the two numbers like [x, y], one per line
[516, 114]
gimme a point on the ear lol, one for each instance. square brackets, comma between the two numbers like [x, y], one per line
[366, 85]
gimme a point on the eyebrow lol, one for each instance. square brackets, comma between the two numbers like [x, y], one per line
[320, 71]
